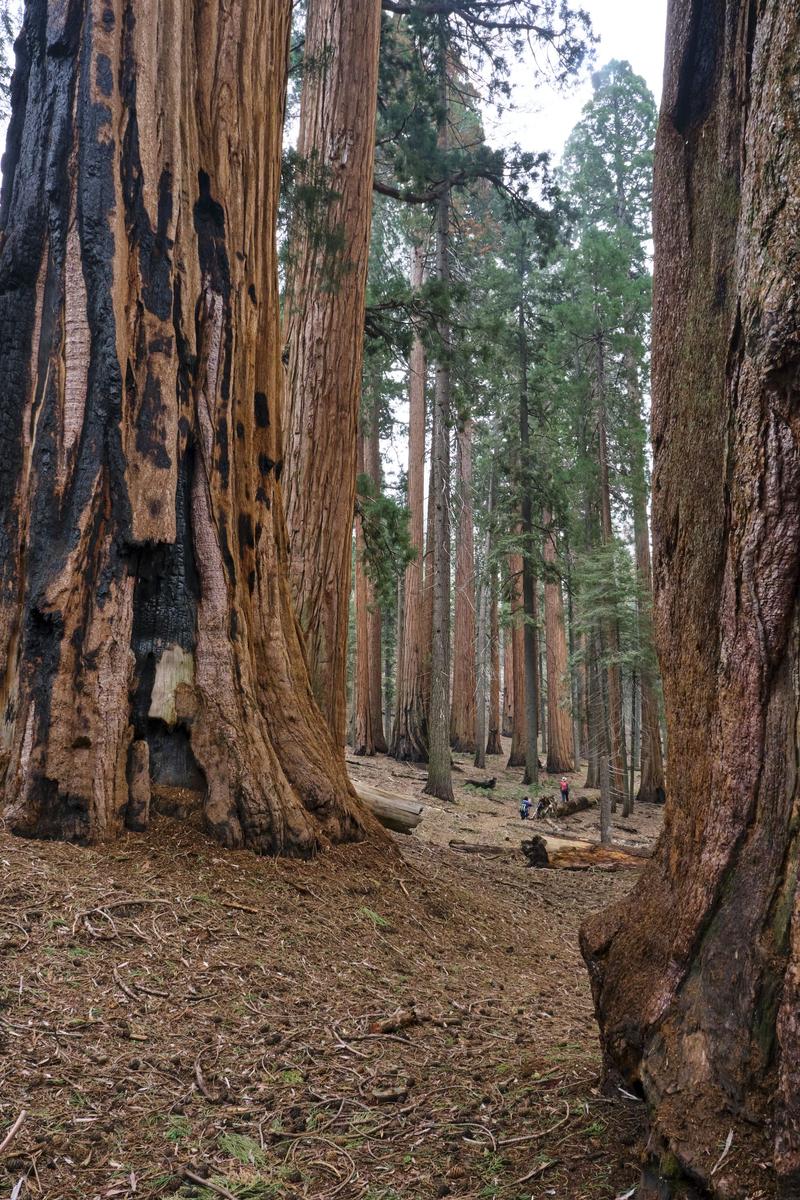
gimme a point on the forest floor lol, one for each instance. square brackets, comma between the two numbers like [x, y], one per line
[365, 1027]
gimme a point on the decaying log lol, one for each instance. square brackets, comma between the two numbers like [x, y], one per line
[535, 851]
[395, 812]
[487, 784]
[476, 848]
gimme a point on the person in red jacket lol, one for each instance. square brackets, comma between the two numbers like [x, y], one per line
[564, 789]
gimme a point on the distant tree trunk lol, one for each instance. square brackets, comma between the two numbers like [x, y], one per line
[145, 615]
[508, 681]
[462, 712]
[410, 737]
[594, 713]
[363, 736]
[484, 587]
[439, 782]
[696, 975]
[493, 744]
[372, 467]
[576, 680]
[613, 684]
[529, 601]
[325, 298]
[559, 740]
[635, 750]
[518, 752]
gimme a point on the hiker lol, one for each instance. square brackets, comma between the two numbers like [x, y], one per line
[564, 789]
[543, 807]
[524, 807]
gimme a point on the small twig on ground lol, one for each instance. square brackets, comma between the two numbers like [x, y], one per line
[15, 1128]
[207, 1183]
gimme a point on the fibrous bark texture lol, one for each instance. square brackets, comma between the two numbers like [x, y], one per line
[559, 718]
[410, 736]
[508, 681]
[363, 739]
[651, 781]
[372, 467]
[697, 976]
[325, 297]
[143, 578]
[462, 709]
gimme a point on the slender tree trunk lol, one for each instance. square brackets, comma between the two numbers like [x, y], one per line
[613, 685]
[634, 733]
[493, 744]
[439, 782]
[518, 753]
[483, 652]
[595, 741]
[325, 298]
[529, 602]
[508, 681]
[428, 573]
[372, 467]
[462, 713]
[145, 616]
[410, 738]
[559, 740]
[363, 735]
[696, 975]
[576, 679]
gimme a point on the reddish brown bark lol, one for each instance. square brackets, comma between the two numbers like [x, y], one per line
[559, 716]
[651, 783]
[325, 297]
[143, 576]
[613, 684]
[696, 975]
[410, 737]
[462, 710]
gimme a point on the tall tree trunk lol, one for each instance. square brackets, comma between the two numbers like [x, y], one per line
[493, 744]
[439, 782]
[559, 740]
[518, 752]
[410, 737]
[462, 712]
[576, 678]
[508, 681]
[613, 684]
[483, 652]
[529, 603]
[363, 736]
[695, 976]
[595, 734]
[145, 615]
[372, 467]
[651, 782]
[325, 297]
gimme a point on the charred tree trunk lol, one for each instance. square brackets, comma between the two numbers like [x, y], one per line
[493, 744]
[695, 977]
[363, 737]
[144, 597]
[410, 737]
[325, 297]
[372, 467]
[462, 710]
[559, 739]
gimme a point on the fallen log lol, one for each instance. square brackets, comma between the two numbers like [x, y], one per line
[580, 857]
[488, 784]
[393, 811]
[476, 847]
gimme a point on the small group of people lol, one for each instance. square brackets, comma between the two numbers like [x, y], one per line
[544, 803]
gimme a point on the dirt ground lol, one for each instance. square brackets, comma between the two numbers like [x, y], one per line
[355, 1027]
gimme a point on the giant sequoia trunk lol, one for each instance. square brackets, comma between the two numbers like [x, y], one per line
[559, 724]
[325, 298]
[410, 736]
[696, 976]
[363, 732]
[372, 467]
[145, 618]
[493, 743]
[518, 751]
[462, 710]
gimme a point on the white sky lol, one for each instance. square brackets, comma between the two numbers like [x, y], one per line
[544, 115]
